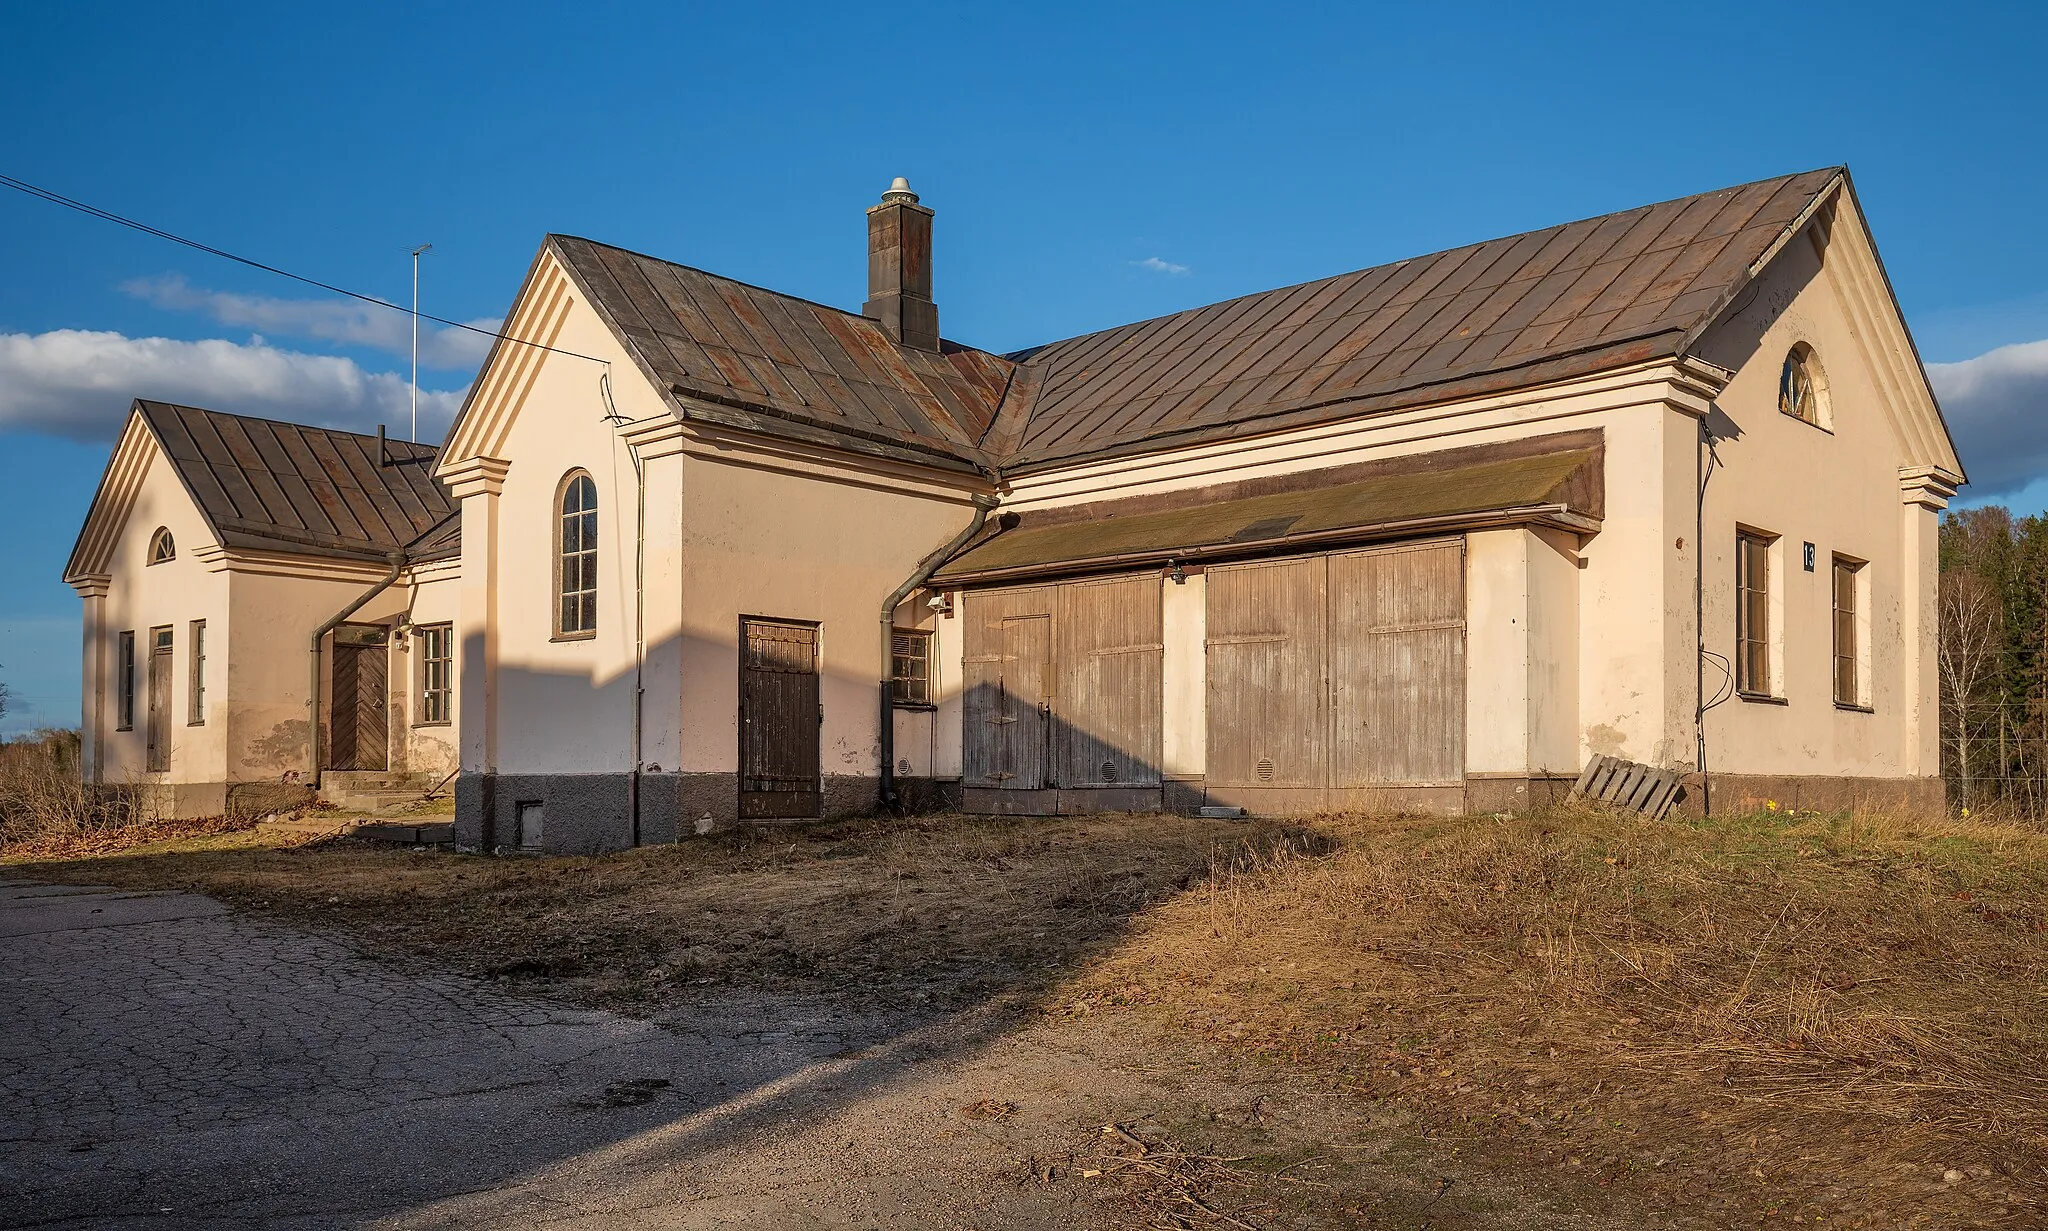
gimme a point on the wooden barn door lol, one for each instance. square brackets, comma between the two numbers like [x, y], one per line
[1397, 676]
[1106, 723]
[157, 752]
[779, 719]
[1268, 729]
[358, 724]
[1007, 710]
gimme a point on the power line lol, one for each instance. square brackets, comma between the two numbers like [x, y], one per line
[58, 198]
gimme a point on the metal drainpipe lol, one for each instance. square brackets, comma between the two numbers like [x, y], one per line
[398, 559]
[925, 568]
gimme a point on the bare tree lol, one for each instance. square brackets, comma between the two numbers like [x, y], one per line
[1972, 628]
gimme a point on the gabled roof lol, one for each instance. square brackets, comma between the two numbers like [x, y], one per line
[1564, 301]
[284, 487]
[1567, 301]
[774, 355]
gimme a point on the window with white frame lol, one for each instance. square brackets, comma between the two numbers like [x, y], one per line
[576, 557]
[436, 644]
[1802, 389]
[910, 668]
[162, 548]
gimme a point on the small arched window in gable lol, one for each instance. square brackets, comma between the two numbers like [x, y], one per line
[161, 548]
[1802, 390]
[576, 556]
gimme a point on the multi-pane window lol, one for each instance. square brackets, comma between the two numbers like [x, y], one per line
[124, 682]
[437, 672]
[161, 547]
[1799, 387]
[196, 693]
[576, 558]
[1752, 614]
[1848, 647]
[910, 668]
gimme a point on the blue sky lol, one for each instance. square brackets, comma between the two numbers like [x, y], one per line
[1090, 164]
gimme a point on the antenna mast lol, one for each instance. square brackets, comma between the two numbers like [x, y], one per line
[416, 340]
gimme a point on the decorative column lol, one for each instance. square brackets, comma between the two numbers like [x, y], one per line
[477, 483]
[1924, 492]
[658, 442]
[93, 705]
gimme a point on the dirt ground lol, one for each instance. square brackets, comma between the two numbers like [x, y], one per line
[1563, 1021]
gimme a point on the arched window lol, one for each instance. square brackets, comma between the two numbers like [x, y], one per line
[161, 548]
[1802, 390]
[576, 557]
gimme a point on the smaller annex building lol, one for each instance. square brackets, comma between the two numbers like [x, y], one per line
[248, 582]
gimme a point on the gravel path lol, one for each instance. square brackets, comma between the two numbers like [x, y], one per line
[164, 1063]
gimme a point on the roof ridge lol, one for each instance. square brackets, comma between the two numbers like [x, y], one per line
[752, 286]
[1024, 354]
[303, 427]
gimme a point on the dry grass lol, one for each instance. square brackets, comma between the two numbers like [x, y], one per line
[1791, 1013]
[42, 793]
[1796, 1016]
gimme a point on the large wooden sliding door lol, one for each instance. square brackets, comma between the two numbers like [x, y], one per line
[1063, 693]
[1338, 681]
[779, 719]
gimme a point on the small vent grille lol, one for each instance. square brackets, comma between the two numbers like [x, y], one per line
[1265, 769]
[1109, 771]
[903, 767]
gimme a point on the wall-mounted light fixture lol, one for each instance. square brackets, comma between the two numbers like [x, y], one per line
[1175, 573]
[941, 601]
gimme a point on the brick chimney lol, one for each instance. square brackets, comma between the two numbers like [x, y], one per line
[900, 269]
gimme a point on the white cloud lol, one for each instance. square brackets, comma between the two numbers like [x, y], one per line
[78, 383]
[1997, 406]
[350, 322]
[1160, 266]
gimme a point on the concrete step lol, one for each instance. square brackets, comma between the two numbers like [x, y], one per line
[435, 833]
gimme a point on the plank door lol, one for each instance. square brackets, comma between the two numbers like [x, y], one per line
[1397, 668]
[1008, 660]
[358, 724]
[779, 719]
[158, 749]
[1110, 655]
[1268, 729]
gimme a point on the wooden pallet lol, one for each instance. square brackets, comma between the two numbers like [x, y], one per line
[1628, 784]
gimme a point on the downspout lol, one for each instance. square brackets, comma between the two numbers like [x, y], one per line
[639, 633]
[925, 568]
[398, 560]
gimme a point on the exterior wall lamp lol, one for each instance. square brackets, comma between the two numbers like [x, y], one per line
[1175, 573]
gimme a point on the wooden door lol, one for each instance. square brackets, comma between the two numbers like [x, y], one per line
[1106, 724]
[358, 723]
[779, 719]
[158, 749]
[1008, 661]
[1267, 723]
[1397, 667]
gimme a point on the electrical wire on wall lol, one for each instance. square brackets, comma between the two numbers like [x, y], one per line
[1707, 461]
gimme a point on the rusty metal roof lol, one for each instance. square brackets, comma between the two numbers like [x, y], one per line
[1550, 481]
[1565, 301]
[270, 486]
[787, 366]
[1547, 305]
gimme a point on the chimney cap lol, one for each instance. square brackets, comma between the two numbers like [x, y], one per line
[899, 190]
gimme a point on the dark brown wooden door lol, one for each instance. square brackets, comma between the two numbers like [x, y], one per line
[779, 719]
[358, 729]
[158, 750]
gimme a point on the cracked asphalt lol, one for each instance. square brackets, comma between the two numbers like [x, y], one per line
[166, 1063]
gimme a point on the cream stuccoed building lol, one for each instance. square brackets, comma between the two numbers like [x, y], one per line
[1661, 485]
